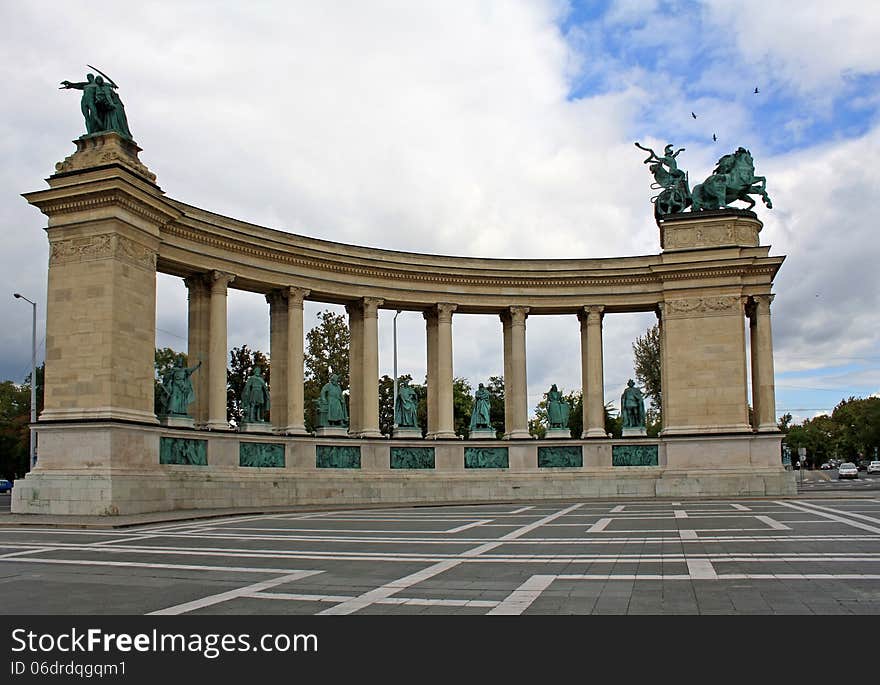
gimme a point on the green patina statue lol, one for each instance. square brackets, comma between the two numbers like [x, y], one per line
[100, 104]
[632, 406]
[557, 409]
[480, 413]
[733, 179]
[406, 409]
[255, 398]
[177, 389]
[331, 405]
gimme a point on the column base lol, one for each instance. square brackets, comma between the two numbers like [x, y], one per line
[768, 428]
[595, 433]
[374, 434]
[518, 434]
[292, 430]
[177, 421]
[261, 427]
[410, 433]
[217, 426]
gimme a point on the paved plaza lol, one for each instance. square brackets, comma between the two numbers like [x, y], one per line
[803, 555]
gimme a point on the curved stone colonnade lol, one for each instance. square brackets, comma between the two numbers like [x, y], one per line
[111, 229]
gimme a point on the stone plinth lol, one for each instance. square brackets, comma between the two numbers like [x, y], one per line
[407, 433]
[711, 228]
[177, 421]
[258, 427]
[557, 433]
[331, 432]
[634, 432]
[482, 434]
[108, 468]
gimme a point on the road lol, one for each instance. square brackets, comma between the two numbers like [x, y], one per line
[799, 555]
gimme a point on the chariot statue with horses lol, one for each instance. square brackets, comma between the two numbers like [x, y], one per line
[732, 179]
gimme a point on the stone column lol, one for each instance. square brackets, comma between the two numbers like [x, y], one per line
[278, 357]
[295, 360]
[749, 307]
[431, 333]
[197, 344]
[369, 380]
[445, 426]
[516, 404]
[217, 351]
[660, 324]
[592, 371]
[355, 366]
[762, 353]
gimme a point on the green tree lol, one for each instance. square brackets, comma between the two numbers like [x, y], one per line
[242, 361]
[15, 407]
[462, 405]
[646, 364]
[858, 422]
[326, 353]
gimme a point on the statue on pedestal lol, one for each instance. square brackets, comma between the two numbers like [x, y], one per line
[100, 104]
[480, 412]
[557, 409]
[406, 409]
[177, 389]
[632, 407]
[255, 398]
[331, 405]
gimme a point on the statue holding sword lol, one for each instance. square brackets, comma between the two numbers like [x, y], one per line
[100, 104]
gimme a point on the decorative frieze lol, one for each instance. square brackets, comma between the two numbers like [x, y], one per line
[560, 457]
[702, 306]
[183, 451]
[486, 458]
[634, 455]
[102, 246]
[261, 454]
[412, 457]
[337, 457]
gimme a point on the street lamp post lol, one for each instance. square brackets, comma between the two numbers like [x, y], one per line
[32, 459]
[394, 402]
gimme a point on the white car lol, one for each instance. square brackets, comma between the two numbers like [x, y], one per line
[874, 467]
[847, 470]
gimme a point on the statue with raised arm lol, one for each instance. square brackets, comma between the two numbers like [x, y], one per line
[675, 195]
[100, 104]
[558, 410]
[255, 398]
[480, 414]
[177, 389]
[632, 406]
[406, 409]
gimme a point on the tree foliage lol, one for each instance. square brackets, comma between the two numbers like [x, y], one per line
[646, 364]
[850, 433]
[242, 361]
[15, 417]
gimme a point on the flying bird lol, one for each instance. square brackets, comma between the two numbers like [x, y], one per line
[756, 90]
[714, 137]
[693, 115]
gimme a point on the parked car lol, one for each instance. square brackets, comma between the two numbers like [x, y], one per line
[847, 470]
[6, 486]
[827, 465]
[874, 467]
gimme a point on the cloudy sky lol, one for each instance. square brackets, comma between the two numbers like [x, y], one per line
[478, 128]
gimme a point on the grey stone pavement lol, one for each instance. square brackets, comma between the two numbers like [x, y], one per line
[816, 553]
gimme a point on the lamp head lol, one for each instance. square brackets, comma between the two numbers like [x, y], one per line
[16, 295]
